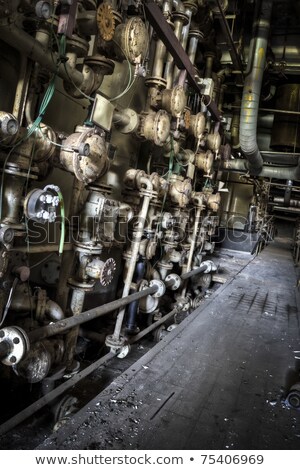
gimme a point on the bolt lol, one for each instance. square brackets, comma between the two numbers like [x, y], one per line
[16, 340]
[13, 359]
[2, 334]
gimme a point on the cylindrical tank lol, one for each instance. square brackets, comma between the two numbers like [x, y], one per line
[286, 130]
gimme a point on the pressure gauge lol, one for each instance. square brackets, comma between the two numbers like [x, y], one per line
[43, 10]
[9, 125]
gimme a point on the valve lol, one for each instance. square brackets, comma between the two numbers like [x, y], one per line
[41, 204]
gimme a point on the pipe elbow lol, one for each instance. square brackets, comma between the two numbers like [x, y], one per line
[54, 311]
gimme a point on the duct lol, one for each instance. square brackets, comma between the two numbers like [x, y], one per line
[278, 172]
[281, 158]
[252, 89]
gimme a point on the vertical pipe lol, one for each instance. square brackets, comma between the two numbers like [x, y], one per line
[134, 253]
[77, 301]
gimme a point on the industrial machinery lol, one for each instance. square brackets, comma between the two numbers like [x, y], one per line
[134, 136]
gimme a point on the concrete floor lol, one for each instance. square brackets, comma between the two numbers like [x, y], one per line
[217, 381]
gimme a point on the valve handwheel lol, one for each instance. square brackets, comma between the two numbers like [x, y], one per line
[106, 21]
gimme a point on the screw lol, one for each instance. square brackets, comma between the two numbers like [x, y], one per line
[13, 359]
[16, 340]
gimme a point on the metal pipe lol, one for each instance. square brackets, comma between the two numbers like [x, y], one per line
[68, 323]
[41, 248]
[133, 307]
[134, 252]
[192, 248]
[53, 311]
[169, 66]
[282, 173]
[154, 325]
[252, 89]
[194, 272]
[293, 202]
[183, 40]
[76, 306]
[269, 110]
[32, 49]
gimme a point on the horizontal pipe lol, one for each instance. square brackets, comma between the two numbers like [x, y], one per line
[154, 325]
[268, 110]
[279, 172]
[41, 248]
[68, 323]
[27, 45]
[194, 272]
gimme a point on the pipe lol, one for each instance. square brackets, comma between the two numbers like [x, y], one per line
[68, 323]
[252, 89]
[134, 251]
[282, 173]
[293, 202]
[184, 38]
[154, 325]
[133, 307]
[194, 272]
[192, 247]
[32, 49]
[53, 311]
[76, 306]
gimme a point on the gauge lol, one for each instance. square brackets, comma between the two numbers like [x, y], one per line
[9, 125]
[43, 10]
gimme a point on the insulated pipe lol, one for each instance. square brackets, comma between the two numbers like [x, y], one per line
[252, 88]
[30, 47]
[282, 173]
[134, 252]
[71, 322]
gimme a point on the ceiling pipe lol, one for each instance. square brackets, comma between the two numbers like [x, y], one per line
[252, 89]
